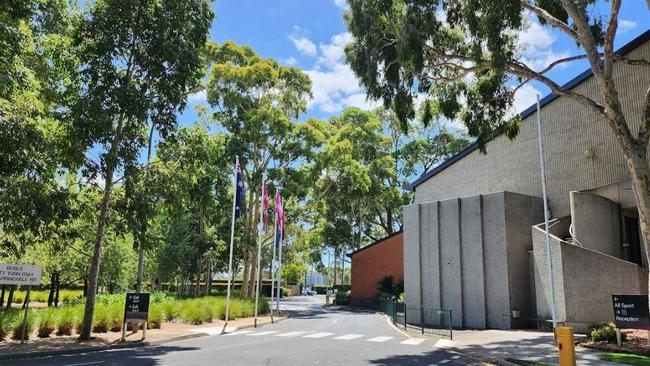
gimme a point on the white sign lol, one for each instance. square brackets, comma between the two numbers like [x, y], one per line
[20, 274]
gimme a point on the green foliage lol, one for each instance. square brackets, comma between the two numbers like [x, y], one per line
[7, 321]
[285, 292]
[171, 309]
[32, 318]
[343, 295]
[47, 322]
[156, 316]
[320, 289]
[603, 332]
[67, 319]
[387, 288]
[41, 296]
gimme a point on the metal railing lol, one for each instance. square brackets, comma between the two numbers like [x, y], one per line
[427, 320]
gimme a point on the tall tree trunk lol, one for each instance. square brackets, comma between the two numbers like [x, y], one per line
[10, 298]
[58, 289]
[138, 284]
[198, 278]
[104, 214]
[335, 260]
[50, 296]
[2, 296]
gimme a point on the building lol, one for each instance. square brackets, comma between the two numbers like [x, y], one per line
[474, 237]
[372, 263]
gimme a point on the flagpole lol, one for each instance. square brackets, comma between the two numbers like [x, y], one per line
[549, 258]
[232, 241]
[260, 230]
[279, 244]
[275, 234]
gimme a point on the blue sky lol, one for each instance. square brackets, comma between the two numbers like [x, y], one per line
[311, 34]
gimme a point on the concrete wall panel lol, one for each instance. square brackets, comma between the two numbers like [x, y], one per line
[596, 223]
[412, 254]
[429, 243]
[472, 258]
[496, 263]
[450, 260]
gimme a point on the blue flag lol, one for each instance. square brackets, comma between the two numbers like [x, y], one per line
[239, 195]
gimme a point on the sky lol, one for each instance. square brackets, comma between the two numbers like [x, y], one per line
[311, 35]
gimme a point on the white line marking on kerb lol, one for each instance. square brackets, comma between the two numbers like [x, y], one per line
[84, 363]
[413, 341]
[262, 333]
[348, 337]
[319, 335]
[379, 339]
[444, 361]
[290, 334]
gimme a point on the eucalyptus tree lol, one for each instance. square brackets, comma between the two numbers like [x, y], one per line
[193, 176]
[138, 61]
[463, 54]
[38, 82]
[255, 101]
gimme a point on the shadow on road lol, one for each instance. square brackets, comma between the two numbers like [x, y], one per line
[419, 359]
[141, 356]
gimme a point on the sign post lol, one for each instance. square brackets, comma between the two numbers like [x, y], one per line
[631, 312]
[23, 275]
[136, 310]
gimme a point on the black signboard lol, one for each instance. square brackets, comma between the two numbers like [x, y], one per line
[631, 311]
[136, 307]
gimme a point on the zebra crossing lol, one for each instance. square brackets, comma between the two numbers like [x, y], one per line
[325, 335]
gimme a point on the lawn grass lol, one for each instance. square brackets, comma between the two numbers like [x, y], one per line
[626, 358]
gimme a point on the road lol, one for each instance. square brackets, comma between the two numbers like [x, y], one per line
[312, 336]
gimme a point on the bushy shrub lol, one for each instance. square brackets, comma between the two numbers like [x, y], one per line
[193, 312]
[171, 309]
[116, 315]
[156, 316]
[158, 296]
[604, 332]
[67, 319]
[18, 324]
[320, 289]
[101, 319]
[285, 292]
[47, 322]
[7, 321]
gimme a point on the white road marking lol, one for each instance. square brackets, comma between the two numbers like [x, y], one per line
[290, 334]
[239, 332]
[210, 331]
[348, 337]
[262, 333]
[318, 335]
[334, 321]
[414, 341]
[379, 339]
[84, 363]
[444, 362]
[443, 343]
[455, 357]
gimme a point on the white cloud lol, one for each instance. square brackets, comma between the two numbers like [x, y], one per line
[291, 61]
[304, 45]
[524, 98]
[536, 42]
[198, 97]
[626, 25]
[334, 85]
[343, 4]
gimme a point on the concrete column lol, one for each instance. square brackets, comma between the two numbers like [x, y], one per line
[430, 254]
[472, 263]
[450, 260]
[412, 254]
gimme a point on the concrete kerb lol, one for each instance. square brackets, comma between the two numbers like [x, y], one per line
[120, 345]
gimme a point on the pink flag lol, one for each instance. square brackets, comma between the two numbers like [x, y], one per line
[279, 210]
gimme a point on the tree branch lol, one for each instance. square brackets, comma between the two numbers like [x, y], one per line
[644, 129]
[551, 20]
[585, 38]
[609, 39]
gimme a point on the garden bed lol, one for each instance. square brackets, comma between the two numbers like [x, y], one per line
[636, 343]
[66, 321]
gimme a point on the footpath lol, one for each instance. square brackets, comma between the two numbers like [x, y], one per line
[169, 332]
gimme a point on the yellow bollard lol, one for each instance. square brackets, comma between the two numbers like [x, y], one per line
[566, 346]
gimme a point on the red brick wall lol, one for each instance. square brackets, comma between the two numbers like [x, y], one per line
[370, 265]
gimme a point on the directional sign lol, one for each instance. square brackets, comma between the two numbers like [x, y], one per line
[136, 307]
[20, 274]
[631, 311]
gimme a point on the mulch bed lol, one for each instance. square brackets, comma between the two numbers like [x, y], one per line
[636, 343]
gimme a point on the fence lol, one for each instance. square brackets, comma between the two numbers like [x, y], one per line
[427, 320]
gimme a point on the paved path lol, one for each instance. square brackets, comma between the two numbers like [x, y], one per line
[313, 336]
